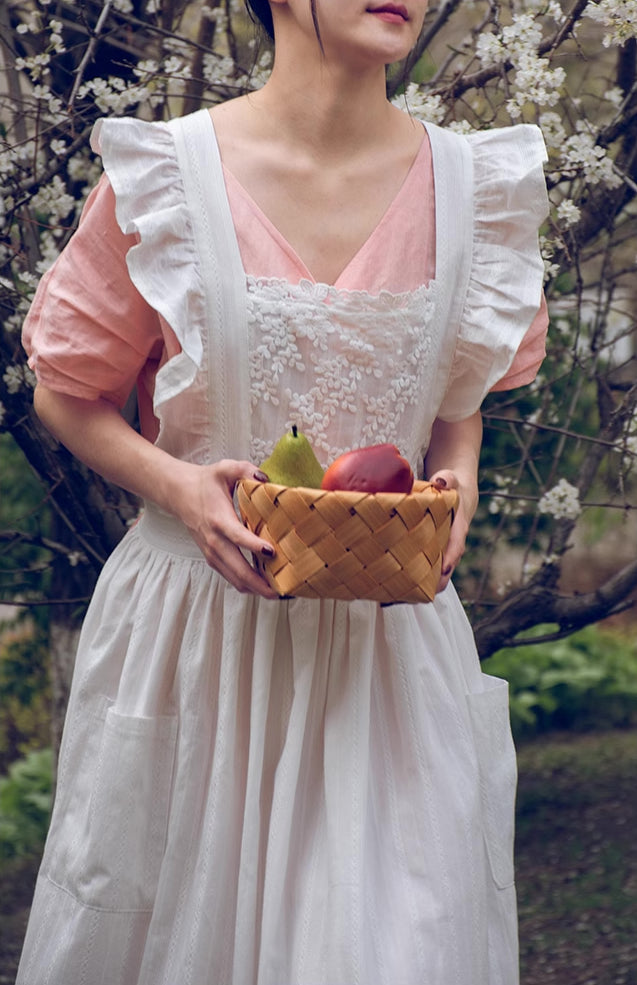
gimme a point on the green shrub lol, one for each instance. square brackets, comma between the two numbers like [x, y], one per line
[25, 805]
[586, 681]
[25, 691]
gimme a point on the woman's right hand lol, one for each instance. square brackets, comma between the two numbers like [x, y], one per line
[205, 505]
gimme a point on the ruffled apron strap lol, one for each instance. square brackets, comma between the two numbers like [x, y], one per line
[224, 283]
[453, 189]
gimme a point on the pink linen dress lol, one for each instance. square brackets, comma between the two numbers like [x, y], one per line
[294, 792]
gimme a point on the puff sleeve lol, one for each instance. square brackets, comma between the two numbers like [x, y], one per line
[89, 333]
[504, 301]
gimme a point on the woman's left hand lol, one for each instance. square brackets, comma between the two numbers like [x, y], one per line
[467, 502]
[452, 463]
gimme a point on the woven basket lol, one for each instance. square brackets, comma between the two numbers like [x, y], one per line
[386, 547]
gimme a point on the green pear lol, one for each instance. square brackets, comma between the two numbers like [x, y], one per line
[293, 462]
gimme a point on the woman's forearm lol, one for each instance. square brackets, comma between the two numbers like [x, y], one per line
[96, 433]
[199, 495]
[455, 447]
[453, 457]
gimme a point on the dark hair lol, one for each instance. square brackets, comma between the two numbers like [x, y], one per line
[260, 10]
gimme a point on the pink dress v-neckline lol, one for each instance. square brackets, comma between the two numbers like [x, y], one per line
[398, 254]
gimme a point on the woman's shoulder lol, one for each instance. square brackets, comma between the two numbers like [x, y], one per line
[508, 173]
[522, 142]
[128, 135]
[520, 146]
[113, 132]
[150, 163]
[501, 170]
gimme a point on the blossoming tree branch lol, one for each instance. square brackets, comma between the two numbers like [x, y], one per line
[559, 458]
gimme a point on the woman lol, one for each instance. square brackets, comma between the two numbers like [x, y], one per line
[255, 790]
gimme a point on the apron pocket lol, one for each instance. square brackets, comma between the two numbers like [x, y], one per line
[489, 712]
[107, 852]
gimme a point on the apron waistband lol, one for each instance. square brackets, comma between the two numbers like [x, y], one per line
[167, 533]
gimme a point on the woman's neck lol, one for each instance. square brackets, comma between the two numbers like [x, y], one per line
[328, 111]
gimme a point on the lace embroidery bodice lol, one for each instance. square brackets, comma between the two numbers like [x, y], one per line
[347, 367]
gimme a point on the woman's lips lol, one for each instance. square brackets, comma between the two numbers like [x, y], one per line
[393, 13]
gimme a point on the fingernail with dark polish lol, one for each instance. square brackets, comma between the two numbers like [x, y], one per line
[268, 551]
[261, 476]
[440, 482]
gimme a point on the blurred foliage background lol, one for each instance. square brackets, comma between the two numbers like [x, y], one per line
[550, 576]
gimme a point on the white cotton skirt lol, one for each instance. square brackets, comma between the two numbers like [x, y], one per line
[274, 793]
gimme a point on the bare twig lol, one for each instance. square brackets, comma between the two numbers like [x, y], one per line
[90, 51]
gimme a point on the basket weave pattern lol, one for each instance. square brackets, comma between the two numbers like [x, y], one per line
[386, 547]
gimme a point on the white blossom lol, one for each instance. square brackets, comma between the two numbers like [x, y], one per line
[561, 502]
[529, 568]
[176, 68]
[547, 249]
[80, 167]
[499, 503]
[2, 414]
[615, 96]
[460, 126]
[31, 25]
[27, 279]
[503, 587]
[113, 95]
[421, 105]
[568, 212]
[582, 154]
[49, 250]
[262, 72]
[217, 71]
[554, 10]
[551, 559]
[535, 81]
[58, 147]
[13, 323]
[13, 378]
[552, 128]
[489, 48]
[36, 65]
[53, 199]
[495, 505]
[55, 38]
[619, 16]
[146, 66]
[218, 15]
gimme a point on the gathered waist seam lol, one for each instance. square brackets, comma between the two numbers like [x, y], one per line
[167, 533]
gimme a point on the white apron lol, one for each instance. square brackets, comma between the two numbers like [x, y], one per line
[291, 792]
